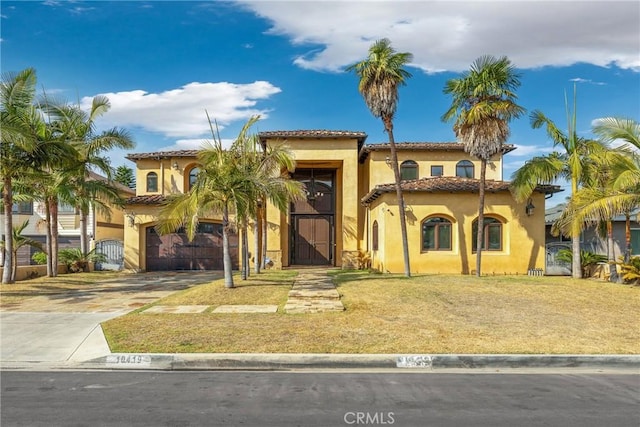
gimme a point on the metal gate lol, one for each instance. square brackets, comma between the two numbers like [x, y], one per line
[553, 266]
[114, 251]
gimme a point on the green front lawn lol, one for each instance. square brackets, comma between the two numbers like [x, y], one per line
[393, 314]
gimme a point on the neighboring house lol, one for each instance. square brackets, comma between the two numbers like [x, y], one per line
[591, 240]
[102, 231]
[351, 210]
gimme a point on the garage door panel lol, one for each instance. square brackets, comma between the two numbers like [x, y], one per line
[175, 252]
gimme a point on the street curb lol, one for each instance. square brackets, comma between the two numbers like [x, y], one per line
[270, 361]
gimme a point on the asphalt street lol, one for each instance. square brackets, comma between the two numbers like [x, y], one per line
[245, 398]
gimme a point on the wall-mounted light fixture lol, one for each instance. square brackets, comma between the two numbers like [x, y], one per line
[175, 165]
[387, 160]
[529, 208]
[131, 218]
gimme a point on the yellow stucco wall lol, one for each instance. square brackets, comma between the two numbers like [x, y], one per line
[381, 173]
[170, 179]
[522, 235]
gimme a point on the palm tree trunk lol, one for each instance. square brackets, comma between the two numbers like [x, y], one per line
[53, 226]
[263, 255]
[84, 246]
[627, 237]
[49, 246]
[8, 230]
[226, 253]
[480, 237]
[256, 245]
[576, 265]
[243, 250]
[611, 257]
[400, 199]
[14, 267]
[247, 253]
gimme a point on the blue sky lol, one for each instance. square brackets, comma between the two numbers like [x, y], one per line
[162, 63]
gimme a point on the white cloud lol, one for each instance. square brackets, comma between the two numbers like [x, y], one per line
[581, 80]
[450, 35]
[529, 150]
[194, 144]
[180, 113]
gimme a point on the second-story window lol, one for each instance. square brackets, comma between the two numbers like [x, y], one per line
[193, 175]
[152, 182]
[464, 169]
[436, 170]
[409, 170]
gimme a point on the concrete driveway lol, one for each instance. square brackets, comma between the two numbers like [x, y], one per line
[65, 326]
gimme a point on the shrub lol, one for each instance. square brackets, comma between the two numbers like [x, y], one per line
[587, 259]
[39, 258]
[631, 270]
[76, 261]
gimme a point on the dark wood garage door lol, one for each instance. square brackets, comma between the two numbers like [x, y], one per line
[175, 251]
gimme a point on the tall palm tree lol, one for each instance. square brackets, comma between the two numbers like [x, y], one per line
[619, 194]
[380, 76]
[571, 163]
[27, 145]
[484, 102]
[266, 171]
[77, 128]
[226, 184]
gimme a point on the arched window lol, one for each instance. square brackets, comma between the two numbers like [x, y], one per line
[152, 182]
[464, 169]
[491, 236]
[193, 175]
[408, 170]
[436, 234]
[374, 236]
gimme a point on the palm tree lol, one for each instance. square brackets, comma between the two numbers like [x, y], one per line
[482, 107]
[572, 163]
[266, 173]
[77, 128]
[619, 193]
[27, 145]
[380, 75]
[225, 185]
[20, 240]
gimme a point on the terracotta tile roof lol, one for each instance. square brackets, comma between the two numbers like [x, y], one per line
[421, 146]
[448, 184]
[151, 199]
[312, 134]
[162, 154]
[316, 133]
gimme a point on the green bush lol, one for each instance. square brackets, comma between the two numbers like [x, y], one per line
[76, 261]
[587, 259]
[39, 258]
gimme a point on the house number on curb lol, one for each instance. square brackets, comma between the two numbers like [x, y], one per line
[128, 359]
[414, 362]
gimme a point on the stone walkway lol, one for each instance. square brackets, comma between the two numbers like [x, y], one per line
[313, 292]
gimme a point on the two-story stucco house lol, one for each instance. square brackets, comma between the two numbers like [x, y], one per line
[351, 209]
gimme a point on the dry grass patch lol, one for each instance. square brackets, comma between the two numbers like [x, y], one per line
[11, 294]
[392, 314]
[271, 287]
